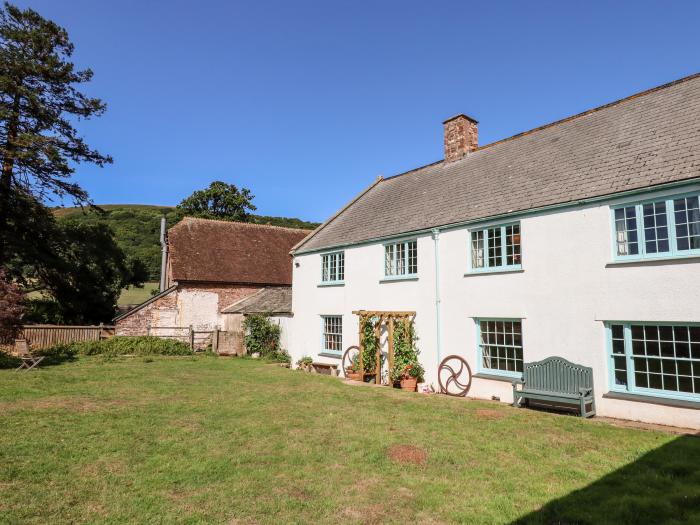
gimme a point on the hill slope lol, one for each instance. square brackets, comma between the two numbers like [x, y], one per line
[137, 227]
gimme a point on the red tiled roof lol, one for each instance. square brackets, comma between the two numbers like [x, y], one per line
[231, 252]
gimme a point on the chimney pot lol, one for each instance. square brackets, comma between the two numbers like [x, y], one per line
[461, 137]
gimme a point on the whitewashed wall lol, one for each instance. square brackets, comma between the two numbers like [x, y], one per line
[564, 294]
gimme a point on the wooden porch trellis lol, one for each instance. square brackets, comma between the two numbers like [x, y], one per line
[384, 317]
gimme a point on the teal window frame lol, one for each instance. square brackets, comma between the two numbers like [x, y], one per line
[631, 387]
[488, 264]
[325, 333]
[480, 344]
[673, 252]
[339, 266]
[405, 259]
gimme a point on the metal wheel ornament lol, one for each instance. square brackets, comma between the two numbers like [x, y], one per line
[454, 376]
[348, 356]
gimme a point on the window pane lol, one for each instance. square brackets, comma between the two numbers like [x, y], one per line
[665, 357]
[400, 259]
[501, 345]
[413, 257]
[341, 266]
[324, 268]
[513, 244]
[655, 227]
[687, 216]
[626, 231]
[495, 249]
[333, 334]
[478, 249]
[389, 259]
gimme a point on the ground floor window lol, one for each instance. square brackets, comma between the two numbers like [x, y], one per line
[332, 335]
[655, 359]
[500, 346]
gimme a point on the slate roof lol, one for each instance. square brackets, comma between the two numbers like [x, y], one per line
[641, 141]
[214, 251]
[273, 300]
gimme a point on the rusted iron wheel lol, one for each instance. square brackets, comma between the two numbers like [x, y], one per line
[454, 376]
[348, 357]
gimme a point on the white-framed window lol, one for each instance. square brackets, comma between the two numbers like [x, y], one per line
[658, 359]
[401, 259]
[333, 267]
[496, 248]
[332, 334]
[500, 346]
[668, 227]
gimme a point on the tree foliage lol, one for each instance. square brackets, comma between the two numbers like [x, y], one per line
[39, 102]
[78, 268]
[87, 273]
[219, 201]
[11, 308]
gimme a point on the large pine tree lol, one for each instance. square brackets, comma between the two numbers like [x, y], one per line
[39, 104]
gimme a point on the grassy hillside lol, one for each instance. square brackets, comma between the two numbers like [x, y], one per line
[137, 227]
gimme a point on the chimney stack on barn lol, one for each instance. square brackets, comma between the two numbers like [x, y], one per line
[461, 137]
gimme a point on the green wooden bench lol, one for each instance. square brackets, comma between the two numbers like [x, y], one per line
[556, 379]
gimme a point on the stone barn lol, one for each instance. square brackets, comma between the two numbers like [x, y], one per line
[211, 265]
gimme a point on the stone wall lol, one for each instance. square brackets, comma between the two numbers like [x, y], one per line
[190, 304]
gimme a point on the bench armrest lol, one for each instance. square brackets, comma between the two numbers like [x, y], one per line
[518, 382]
[585, 391]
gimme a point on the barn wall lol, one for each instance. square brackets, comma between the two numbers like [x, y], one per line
[190, 304]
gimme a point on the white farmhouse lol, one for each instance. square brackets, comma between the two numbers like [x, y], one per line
[578, 239]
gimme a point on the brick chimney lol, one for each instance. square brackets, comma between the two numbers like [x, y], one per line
[461, 137]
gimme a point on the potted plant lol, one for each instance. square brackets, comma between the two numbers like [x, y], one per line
[353, 371]
[407, 371]
[305, 363]
[409, 376]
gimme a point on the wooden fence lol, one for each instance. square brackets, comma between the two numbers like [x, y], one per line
[46, 335]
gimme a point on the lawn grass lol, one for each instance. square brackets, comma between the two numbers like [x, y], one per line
[133, 295]
[207, 440]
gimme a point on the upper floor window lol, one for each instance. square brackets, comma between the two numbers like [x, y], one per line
[401, 259]
[662, 228]
[657, 359]
[333, 267]
[496, 248]
[500, 346]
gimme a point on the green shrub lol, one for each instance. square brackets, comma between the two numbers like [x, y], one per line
[261, 335]
[116, 346]
[57, 354]
[8, 361]
[139, 345]
[281, 357]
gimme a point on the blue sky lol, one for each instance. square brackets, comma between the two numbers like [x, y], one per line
[305, 103]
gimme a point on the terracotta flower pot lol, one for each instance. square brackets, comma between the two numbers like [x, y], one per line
[354, 376]
[409, 384]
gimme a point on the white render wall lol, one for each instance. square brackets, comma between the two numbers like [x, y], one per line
[564, 293]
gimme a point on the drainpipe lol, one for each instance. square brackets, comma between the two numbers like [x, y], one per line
[164, 253]
[436, 240]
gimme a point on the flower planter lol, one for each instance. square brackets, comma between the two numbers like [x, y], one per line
[354, 376]
[409, 384]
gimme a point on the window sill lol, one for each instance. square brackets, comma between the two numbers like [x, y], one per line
[333, 356]
[400, 278]
[495, 377]
[331, 284]
[654, 400]
[656, 261]
[493, 272]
